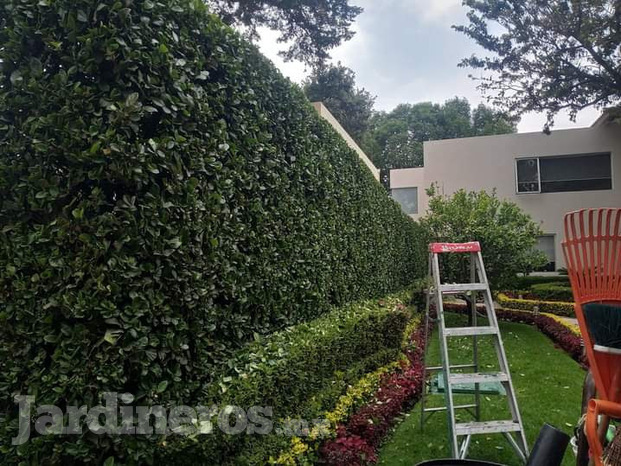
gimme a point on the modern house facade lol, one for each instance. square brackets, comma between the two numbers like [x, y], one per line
[546, 175]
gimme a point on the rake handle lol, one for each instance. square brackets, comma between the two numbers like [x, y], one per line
[607, 409]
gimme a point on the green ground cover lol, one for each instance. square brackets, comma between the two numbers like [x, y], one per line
[548, 385]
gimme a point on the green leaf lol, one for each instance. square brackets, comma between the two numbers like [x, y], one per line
[112, 336]
[95, 147]
[162, 386]
[16, 77]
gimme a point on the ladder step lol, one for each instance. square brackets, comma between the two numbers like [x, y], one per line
[470, 331]
[462, 287]
[443, 408]
[456, 366]
[478, 377]
[489, 427]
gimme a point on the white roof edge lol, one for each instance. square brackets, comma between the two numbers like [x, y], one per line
[605, 118]
[507, 135]
[325, 114]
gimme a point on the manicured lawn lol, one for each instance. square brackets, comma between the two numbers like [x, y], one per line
[548, 385]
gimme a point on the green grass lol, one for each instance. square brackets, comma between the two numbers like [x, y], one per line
[548, 384]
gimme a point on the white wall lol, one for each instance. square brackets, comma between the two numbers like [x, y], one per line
[325, 113]
[488, 162]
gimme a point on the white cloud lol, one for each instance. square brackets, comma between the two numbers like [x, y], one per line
[269, 46]
[432, 10]
[534, 122]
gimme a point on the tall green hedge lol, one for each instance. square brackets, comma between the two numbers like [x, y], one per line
[165, 195]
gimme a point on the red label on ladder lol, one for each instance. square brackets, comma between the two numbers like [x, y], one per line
[473, 246]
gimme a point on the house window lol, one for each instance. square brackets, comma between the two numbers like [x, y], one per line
[545, 244]
[581, 172]
[408, 198]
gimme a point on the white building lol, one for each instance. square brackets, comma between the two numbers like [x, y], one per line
[546, 175]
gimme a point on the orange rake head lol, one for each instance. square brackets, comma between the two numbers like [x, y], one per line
[592, 249]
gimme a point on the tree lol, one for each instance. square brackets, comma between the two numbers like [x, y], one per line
[507, 234]
[313, 27]
[548, 56]
[335, 86]
[395, 139]
[486, 122]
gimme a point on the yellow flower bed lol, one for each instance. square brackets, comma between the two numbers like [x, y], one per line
[573, 327]
[552, 307]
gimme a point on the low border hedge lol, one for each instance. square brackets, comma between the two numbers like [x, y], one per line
[291, 369]
[380, 397]
[553, 307]
[530, 280]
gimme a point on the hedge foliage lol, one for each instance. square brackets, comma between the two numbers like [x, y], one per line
[553, 307]
[165, 196]
[525, 282]
[300, 373]
[555, 291]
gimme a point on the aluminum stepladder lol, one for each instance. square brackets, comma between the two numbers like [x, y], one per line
[460, 434]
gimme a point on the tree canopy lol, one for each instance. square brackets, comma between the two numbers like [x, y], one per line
[335, 86]
[547, 56]
[507, 234]
[395, 139]
[312, 27]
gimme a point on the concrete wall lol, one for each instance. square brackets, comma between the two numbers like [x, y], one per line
[325, 113]
[488, 162]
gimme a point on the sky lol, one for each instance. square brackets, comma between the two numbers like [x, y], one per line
[405, 51]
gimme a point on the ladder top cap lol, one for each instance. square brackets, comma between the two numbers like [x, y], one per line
[473, 246]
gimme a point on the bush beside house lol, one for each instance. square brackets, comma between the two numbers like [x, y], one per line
[166, 197]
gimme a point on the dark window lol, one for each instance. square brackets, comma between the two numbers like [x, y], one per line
[527, 175]
[582, 172]
[545, 244]
[408, 198]
[575, 173]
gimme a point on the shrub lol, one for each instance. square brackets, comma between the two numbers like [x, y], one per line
[525, 282]
[165, 196]
[285, 368]
[553, 307]
[506, 233]
[556, 291]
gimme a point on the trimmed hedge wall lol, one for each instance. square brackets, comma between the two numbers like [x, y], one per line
[165, 196]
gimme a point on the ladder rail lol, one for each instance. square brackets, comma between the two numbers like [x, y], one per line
[448, 391]
[502, 358]
[475, 352]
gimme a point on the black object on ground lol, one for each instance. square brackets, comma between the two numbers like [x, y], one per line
[549, 447]
[454, 462]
